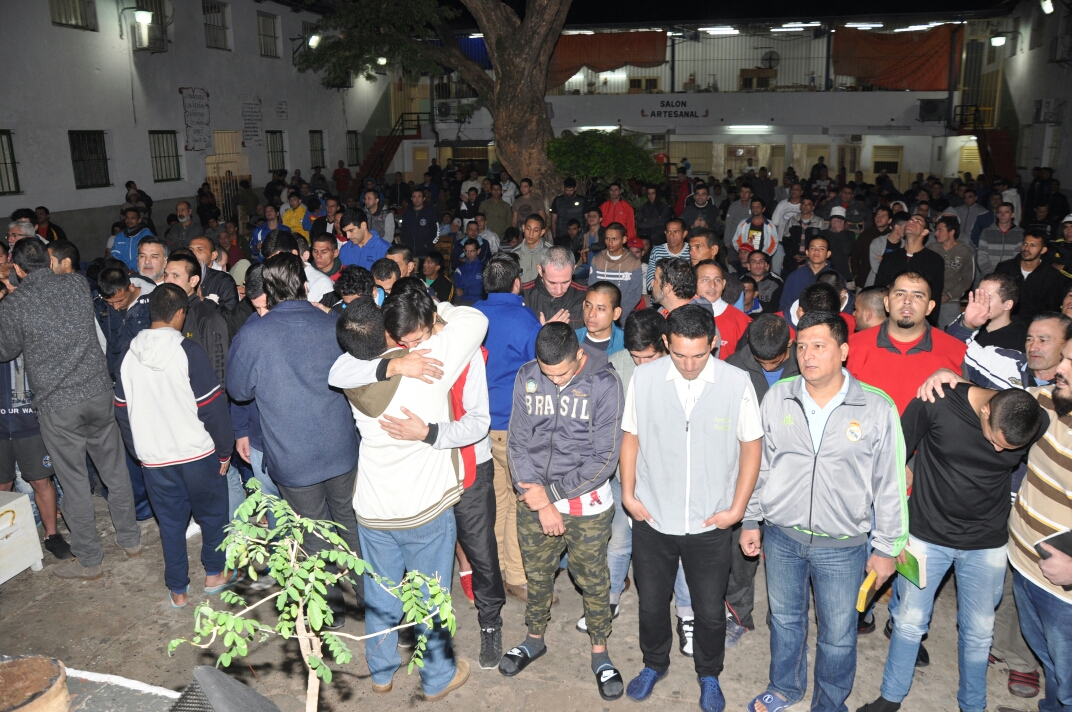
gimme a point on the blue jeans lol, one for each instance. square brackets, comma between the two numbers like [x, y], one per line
[835, 575]
[620, 551]
[980, 581]
[428, 549]
[142, 509]
[1046, 622]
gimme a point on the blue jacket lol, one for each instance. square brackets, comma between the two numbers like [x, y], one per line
[125, 247]
[796, 281]
[257, 238]
[282, 360]
[469, 279]
[120, 329]
[376, 248]
[245, 418]
[617, 338]
[17, 418]
[515, 328]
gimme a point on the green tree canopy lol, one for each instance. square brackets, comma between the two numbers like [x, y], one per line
[598, 158]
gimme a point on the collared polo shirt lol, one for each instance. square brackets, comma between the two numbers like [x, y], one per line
[818, 415]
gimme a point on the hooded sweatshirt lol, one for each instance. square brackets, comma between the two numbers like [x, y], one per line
[169, 403]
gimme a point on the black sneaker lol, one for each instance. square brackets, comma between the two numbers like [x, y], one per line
[490, 648]
[866, 624]
[58, 547]
[407, 637]
[338, 620]
[685, 628]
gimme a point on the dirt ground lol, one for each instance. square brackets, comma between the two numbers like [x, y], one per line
[122, 624]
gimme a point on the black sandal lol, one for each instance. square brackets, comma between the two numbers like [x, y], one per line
[520, 658]
[607, 676]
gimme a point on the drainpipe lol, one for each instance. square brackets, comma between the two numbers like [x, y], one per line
[952, 79]
[673, 63]
[829, 47]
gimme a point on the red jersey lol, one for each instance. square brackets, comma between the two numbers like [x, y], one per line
[899, 368]
[620, 212]
[731, 326]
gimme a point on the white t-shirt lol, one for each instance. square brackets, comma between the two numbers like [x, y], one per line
[749, 423]
[317, 283]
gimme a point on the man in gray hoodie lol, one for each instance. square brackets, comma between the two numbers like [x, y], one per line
[49, 320]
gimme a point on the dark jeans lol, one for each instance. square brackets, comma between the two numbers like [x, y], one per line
[705, 558]
[741, 591]
[1047, 624]
[178, 491]
[143, 510]
[332, 500]
[474, 516]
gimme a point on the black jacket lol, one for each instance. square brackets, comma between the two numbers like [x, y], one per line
[1042, 291]
[419, 229]
[743, 359]
[238, 316]
[540, 301]
[650, 218]
[927, 262]
[205, 325]
[223, 286]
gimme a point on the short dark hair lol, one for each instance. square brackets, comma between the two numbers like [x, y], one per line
[500, 273]
[112, 280]
[1016, 415]
[407, 312]
[817, 236]
[833, 279]
[166, 301]
[678, 274]
[30, 255]
[709, 236]
[555, 343]
[951, 222]
[900, 217]
[820, 296]
[152, 240]
[913, 277]
[761, 201]
[768, 336]
[66, 250]
[396, 249]
[645, 328]
[691, 321]
[360, 330]
[325, 237]
[436, 258]
[610, 290]
[128, 211]
[1038, 232]
[570, 182]
[255, 281]
[617, 227]
[193, 267]
[1007, 288]
[1061, 319]
[536, 217]
[384, 268]
[838, 328]
[355, 280]
[279, 241]
[284, 278]
[354, 216]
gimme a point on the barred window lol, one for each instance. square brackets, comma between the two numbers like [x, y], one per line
[268, 33]
[156, 37]
[316, 149]
[73, 13]
[164, 153]
[277, 154]
[9, 174]
[89, 157]
[353, 148]
[215, 14]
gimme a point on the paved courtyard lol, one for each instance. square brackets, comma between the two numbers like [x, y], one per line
[122, 623]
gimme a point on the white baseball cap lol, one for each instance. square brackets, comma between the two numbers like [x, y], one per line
[1068, 219]
[837, 212]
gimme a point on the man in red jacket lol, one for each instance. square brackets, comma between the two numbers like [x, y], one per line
[617, 210]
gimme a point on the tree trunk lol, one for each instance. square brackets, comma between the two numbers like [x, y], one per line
[522, 132]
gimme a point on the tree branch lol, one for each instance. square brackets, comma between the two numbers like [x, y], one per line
[450, 56]
[543, 23]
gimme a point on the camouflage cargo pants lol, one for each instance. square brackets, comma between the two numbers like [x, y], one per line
[586, 541]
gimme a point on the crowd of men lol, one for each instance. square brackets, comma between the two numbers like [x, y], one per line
[835, 377]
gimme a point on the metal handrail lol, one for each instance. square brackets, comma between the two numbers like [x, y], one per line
[406, 125]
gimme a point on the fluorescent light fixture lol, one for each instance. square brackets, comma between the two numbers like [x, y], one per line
[314, 40]
[749, 128]
[800, 24]
[578, 32]
[476, 36]
[787, 29]
[1047, 6]
[598, 128]
[917, 28]
[723, 30]
[973, 138]
[997, 41]
[143, 17]
[382, 61]
[864, 25]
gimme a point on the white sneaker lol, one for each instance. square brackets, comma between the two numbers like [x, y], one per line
[582, 624]
[685, 628]
[193, 530]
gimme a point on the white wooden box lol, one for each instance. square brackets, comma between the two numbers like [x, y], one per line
[20, 548]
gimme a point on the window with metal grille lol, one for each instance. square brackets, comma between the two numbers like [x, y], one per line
[353, 148]
[89, 157]
[73, 13]
[887, 159]
[277, 154]
[155, 39]
[215, 14]
[316, 149]
[9, 174]
[164, 153]
[268, 33]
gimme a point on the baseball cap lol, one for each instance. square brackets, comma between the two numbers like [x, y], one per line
[746, 248]
[837, 212]
[1068, 219]
[637, 242]
[238, 272]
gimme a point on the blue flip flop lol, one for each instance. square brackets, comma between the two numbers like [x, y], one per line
[185, 592]
[235, 578]
[771, 701]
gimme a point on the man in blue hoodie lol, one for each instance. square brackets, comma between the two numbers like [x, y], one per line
[125, 246]
[515, 327]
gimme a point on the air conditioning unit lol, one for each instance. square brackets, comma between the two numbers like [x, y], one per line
[933, 109]
[856, 138]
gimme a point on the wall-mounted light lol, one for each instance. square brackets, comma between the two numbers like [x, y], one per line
[749, 128]
[997, 41]
[382, 61]
[1047, 6]
[721, 30]
[314, 40]
[143, 17]
[787, 29]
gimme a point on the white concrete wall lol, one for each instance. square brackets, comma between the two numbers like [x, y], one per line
[70, 79]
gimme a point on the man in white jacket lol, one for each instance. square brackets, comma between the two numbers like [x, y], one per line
[406, 489]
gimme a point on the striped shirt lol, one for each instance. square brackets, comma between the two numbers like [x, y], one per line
[1044, 504]
[657, 253]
